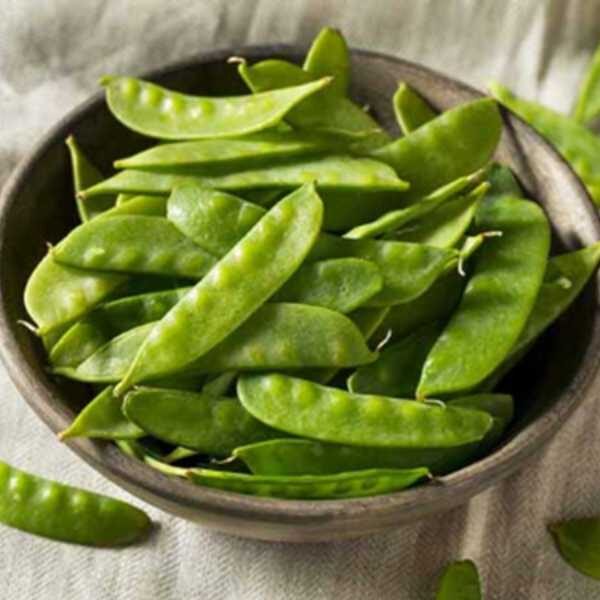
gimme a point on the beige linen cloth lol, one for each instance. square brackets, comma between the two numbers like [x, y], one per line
[51, 55]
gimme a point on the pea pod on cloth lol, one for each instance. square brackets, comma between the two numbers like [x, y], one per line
[328, 414]
[456, 143]
[574, 141]
[410, 109]
[157, 112]
[354, 484]
[508, 272]
[578, 541]
[65, 513]
[253, 270]
[459, 581]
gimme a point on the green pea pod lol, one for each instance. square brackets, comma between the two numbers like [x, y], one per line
[574, 141]
[587, 107]
[410, 109]
[178, 454]
[397, 370]
[510, 270]
[133, 244]
[459, 581]
[355, 484]
[308, 457]
[158, 112]
[503, 181]
[238, 153]
[329, 55]
[578, 542]
[329, 172]
[103, 418]
[327, 111]
[149, 206]
[252, 271]
[85, 174]
[306, 409]
[456, 143]
[65, 513]
[208, 424]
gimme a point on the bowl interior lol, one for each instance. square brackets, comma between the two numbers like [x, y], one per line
[38, 207]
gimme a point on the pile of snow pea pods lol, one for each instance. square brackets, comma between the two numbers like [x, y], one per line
[278, 298]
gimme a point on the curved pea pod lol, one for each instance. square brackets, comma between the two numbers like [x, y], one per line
[332, 415]
[578, 541]
[329, 172]
[329, 55]
[208, 424]
[85, 174]
[355, 484]
[397, 369]
[148, 206]
[419, 210]
[57, 294]
[459, 581]
[65, 513]
[587, 107]
[574, 141]
[103, 418]
[410, 109]
[309, 457]
[456, 143]
[509, 269]
[253, 270]
[109, 320]
[341, 284]
[133, 244]
[231, 153]
[327, 111]
[158, 112]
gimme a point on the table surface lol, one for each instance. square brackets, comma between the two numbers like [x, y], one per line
[51, 55]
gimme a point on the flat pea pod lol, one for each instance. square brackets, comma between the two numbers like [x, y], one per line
[578, 541]
[236, 153]
[66, 513]
[57, 294]
[158, 112]
[397, 370]
[103, 418]
[508, 272]
[410, 109]
[329, 172]
[149, 206]
[207, 424]
[577, 144]
[456, 143]
[85, 174]
[253, 270]
[133, 244]
[328, 414]
[329, 55]
[587, 107]
[295, 456]
[355, 484]
[459, 581]
[109, 320]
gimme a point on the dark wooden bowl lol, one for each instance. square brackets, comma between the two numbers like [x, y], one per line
[37, 206]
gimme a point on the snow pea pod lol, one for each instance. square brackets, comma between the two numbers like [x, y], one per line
[237, 153]
[149, 206]
[574, 141]
[103, 418]
[66, 513]
[85, 174]
[329, 55]
[208, 424]
[294, 456]
[332, 415]
[133, 244]
[410, 109]
[354, 484]
[158, 112]
[587, 107]
[508, 273]
[253, 270]
[456, 143]
[329, 172]
[578, 541]
[459, 581]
